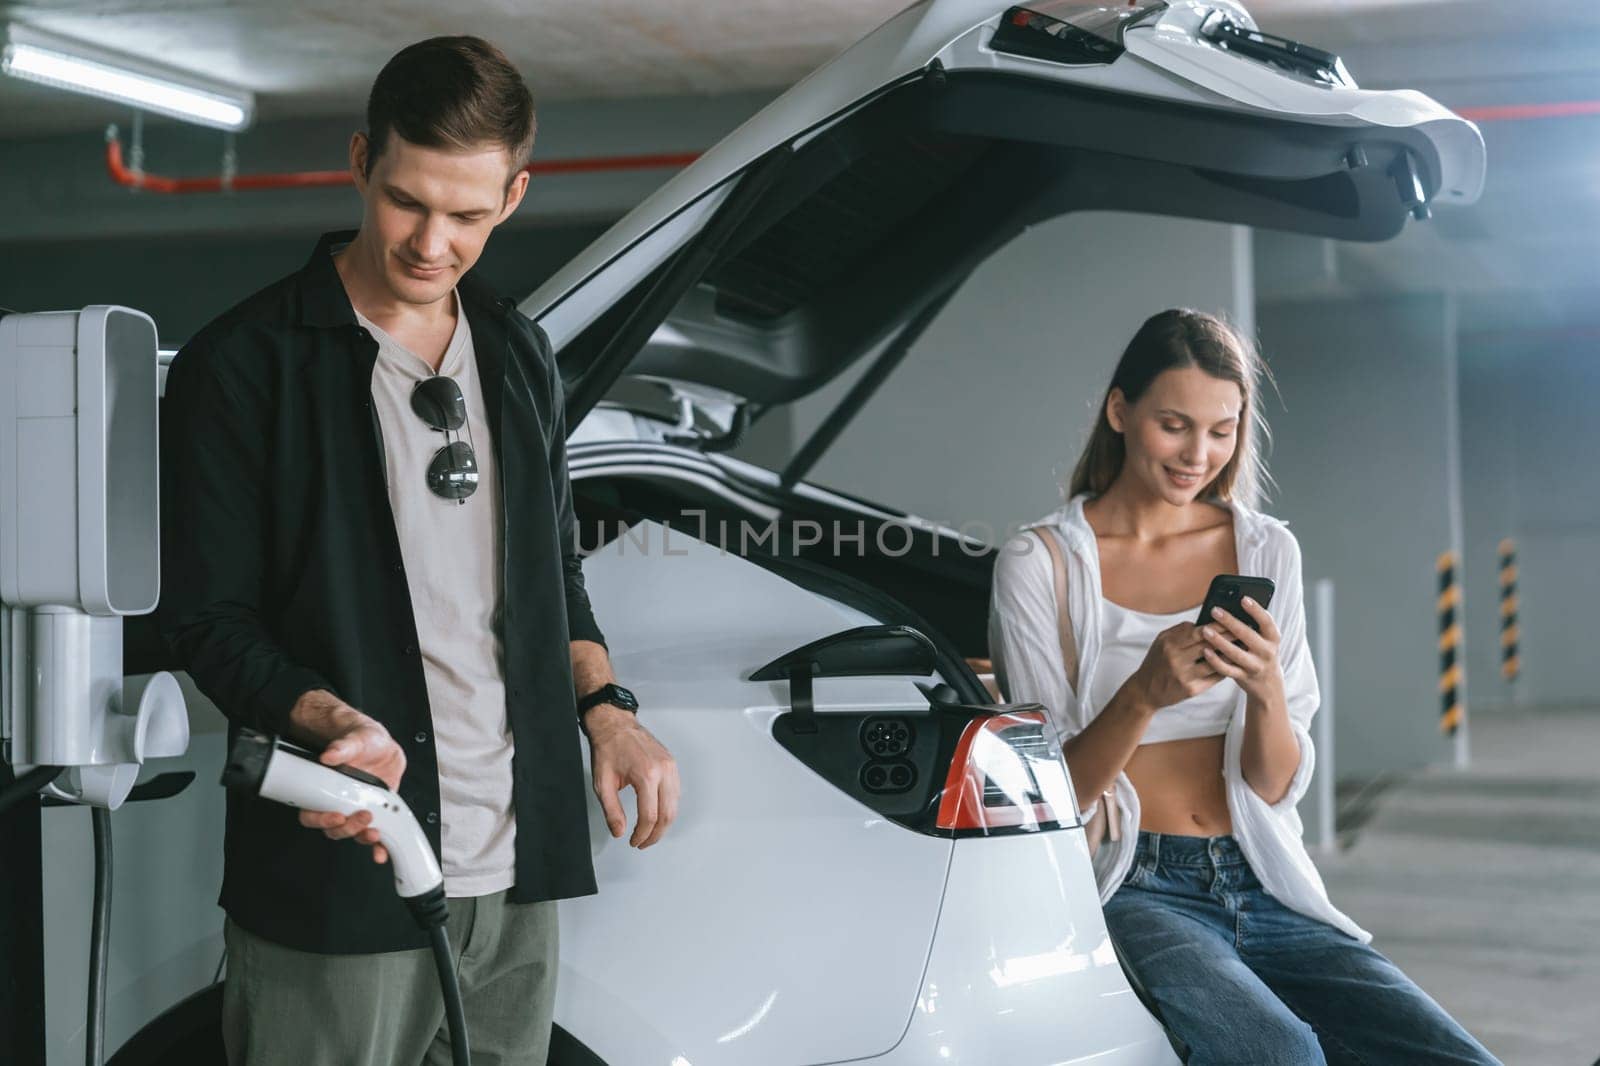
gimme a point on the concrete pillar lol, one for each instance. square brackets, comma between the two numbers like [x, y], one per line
[1365, 452]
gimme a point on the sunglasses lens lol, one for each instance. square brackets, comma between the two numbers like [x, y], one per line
[439, 403]
[453, 473]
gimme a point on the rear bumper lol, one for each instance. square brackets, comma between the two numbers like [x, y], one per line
[1022, 971]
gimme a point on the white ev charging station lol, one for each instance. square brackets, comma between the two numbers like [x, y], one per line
[80, 548]
[79, 552]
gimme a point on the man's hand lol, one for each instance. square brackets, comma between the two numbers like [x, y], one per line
[623, 753]
[347, 738]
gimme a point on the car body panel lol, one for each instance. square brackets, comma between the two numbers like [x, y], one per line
[776, 900]
[1171, 44]
[1022, 970]
[935, 578]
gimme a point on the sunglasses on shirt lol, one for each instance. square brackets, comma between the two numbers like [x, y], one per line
[453, 471]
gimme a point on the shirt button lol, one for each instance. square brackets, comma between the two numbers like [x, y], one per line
[411, 649]
[433, 817]
[421, 737]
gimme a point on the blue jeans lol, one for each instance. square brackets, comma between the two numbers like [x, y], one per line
[1242, 979]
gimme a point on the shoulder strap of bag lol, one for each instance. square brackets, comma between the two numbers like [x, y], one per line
[1058, 566]
[1107, 819]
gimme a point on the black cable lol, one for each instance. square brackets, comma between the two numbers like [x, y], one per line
[28, 785]
[99, 939]
[454, 1014]
[431, 910]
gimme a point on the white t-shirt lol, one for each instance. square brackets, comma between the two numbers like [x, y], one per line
[452, 556]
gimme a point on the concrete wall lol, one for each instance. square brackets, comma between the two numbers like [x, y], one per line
[1530, 443]
[1364, 453]
[57, 188]
[184, 281]
[983, 420]
[69, 236]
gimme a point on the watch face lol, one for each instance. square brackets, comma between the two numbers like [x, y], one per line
[622, 698]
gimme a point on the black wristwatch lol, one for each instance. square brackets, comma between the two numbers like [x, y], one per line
[615, 695]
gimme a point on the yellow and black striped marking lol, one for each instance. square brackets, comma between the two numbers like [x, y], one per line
[1449, 645]
[1510, 663]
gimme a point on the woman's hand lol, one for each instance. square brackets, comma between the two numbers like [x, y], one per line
[1255, 666]
[1173, 669]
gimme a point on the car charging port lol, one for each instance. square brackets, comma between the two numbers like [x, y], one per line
[886, 738]
[888, 777]
[952, 770]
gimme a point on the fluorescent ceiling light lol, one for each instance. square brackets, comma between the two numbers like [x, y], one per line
[62, 65]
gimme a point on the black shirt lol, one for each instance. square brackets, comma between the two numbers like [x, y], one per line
[282, 573]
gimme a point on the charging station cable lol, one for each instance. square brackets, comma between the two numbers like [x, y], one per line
[94, 1034]
[285, 773]
[27, 786]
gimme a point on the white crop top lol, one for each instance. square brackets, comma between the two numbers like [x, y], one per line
[1127, 636]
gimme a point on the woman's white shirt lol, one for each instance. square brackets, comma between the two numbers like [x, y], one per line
[1026, 649]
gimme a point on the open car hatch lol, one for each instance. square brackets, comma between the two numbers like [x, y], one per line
[859, 199]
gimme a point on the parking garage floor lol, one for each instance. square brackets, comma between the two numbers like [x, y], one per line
[1484, 884]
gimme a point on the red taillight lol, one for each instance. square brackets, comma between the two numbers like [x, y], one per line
[1007, 775]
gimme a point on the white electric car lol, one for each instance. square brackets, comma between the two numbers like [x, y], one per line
[873, 862]
[869, 866]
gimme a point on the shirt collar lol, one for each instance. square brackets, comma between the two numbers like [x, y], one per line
[323, 301]
[324, 304]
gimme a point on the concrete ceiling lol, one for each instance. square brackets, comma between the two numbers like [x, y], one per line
[1529, 243]
[317, 57]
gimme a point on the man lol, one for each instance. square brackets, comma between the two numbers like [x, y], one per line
[369, 548]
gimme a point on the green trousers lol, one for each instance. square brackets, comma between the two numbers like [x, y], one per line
[283, 1007]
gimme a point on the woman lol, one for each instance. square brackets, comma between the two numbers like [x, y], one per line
[1199, 745]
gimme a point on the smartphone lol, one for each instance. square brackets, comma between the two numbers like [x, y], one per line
[1228, 589]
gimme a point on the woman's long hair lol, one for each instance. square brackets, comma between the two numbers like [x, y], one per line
[1181, 338]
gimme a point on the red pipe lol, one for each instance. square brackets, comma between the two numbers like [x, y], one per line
[307, 179]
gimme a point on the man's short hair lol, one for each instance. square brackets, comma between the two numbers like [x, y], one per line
[451, 92]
